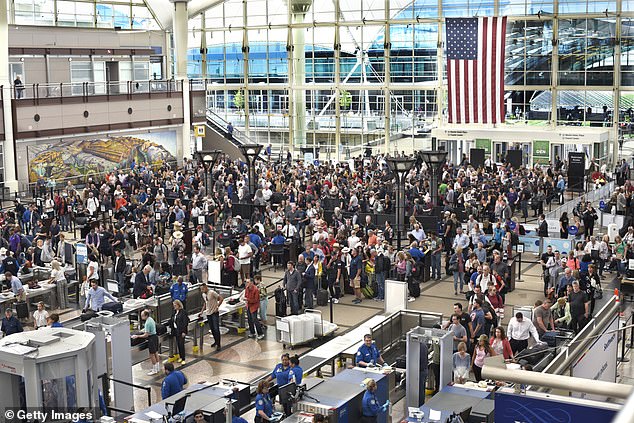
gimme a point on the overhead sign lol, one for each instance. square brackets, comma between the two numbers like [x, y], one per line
[563, 135]
[599, 361]
[199, 130]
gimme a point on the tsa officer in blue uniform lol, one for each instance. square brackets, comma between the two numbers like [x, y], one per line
[263, 403]
[280, 372]
[295, 373]
[368, 353]
[370, 407]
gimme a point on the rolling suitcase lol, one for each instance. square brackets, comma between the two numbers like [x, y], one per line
[280, 303]
[22, 310]
[322, 298]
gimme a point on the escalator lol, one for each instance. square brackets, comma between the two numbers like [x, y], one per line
[217, 137]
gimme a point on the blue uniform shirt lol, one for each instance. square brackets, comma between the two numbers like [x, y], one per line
[280, 374]
[278, 240]
[236, 419]
[367, 354]
[179, 292]
[173, 384]
[263, 402]
[370, 404]
[417, 254]
[295, 373]
[256, 240]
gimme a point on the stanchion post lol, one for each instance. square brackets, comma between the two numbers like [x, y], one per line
[331, 311]
[631, 344]
[623, 358]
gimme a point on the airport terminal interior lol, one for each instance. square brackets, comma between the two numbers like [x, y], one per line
[317, 211]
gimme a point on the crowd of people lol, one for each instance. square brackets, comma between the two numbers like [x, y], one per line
[330, 212]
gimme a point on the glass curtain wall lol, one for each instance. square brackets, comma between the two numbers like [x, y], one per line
[119, 14]
[376, 68]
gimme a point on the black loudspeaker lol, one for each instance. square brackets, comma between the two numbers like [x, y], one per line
[514, 158]
[477, 157]
[576, 171]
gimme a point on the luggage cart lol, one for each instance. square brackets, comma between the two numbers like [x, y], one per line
[294, 330]
[302, 329]
[322, 327]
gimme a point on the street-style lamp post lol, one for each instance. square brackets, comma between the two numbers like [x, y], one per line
[209, 160]
[435, 160]
[251, 153]
[400, 167]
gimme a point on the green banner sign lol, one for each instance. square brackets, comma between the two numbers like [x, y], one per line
[485, 144]
[541, 151]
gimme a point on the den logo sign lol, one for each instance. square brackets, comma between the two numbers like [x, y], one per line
[541, 151]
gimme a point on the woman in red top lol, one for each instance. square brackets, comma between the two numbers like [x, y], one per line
[252, 297]
[500, 344]
[494, 298]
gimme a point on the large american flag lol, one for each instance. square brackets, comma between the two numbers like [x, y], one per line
[475, 69]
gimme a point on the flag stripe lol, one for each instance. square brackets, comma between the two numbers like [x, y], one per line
[475, 69]
[477, 114]
[501, 50]
[492, 68]
[450, 93]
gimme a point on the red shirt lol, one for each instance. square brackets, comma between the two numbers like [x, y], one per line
[252, 295]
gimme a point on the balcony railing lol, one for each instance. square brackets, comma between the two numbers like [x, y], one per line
[89, 89]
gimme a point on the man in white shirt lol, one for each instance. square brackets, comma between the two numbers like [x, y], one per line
[289, 230]
[92, 204]
[519, 330]
[244, 258]
[199, 264]
[353, 239]
[267, 193]
[319, 235]
[418, 233]
[461, 240]
[485, 278]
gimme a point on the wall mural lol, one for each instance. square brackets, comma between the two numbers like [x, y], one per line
[84, 157]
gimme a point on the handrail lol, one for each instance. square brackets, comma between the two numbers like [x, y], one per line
[87, 89]
[238, 137]
[591, 196]
[237, 134]
[105, 378]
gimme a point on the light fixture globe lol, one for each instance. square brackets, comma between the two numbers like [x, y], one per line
[433, 158]
[400, 165]
[250, 151]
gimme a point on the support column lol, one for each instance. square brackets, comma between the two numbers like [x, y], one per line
[179, 36]
[387, 103]
[337, 93]
[615, 91]
[10, 164]
[555, 70]
[298, 11]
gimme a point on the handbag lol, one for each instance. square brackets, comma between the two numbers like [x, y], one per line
[598, 293]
